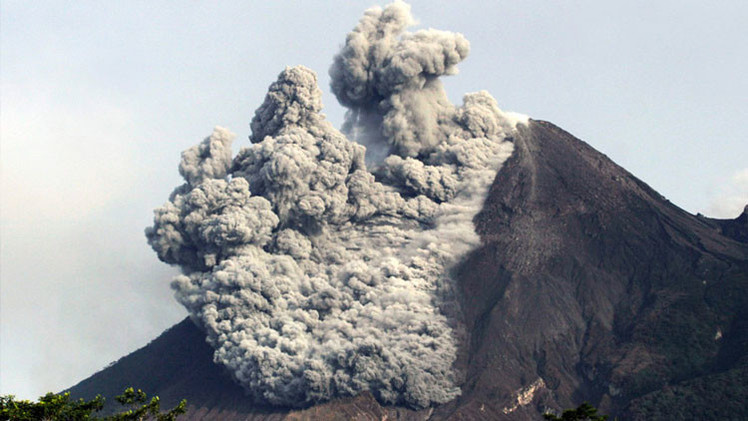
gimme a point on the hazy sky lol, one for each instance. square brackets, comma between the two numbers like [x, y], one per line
[98, 99]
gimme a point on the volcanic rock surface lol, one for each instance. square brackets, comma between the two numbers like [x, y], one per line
[588, 285]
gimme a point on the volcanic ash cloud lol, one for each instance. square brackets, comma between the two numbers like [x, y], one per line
[314, 275]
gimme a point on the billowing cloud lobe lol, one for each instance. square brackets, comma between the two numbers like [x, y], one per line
[313, 274]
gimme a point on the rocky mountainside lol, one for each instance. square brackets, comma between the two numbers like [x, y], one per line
[589, 285]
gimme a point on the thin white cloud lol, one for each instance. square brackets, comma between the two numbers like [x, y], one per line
[732, 197]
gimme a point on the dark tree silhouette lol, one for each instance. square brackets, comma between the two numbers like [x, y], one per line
[54, 407]
[584, 412]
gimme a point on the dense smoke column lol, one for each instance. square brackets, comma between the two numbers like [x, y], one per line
[312, 276]
[388, 78]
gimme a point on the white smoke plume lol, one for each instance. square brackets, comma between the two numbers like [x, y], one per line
[313, 275]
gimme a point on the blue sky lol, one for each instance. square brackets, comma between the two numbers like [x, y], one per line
[98, 99]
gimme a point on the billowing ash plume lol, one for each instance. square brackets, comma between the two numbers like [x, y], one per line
[388, 78]
[313, 275]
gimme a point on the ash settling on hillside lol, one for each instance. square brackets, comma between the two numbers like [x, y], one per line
[314, 274]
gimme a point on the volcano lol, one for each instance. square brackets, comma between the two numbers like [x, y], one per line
[587, 286]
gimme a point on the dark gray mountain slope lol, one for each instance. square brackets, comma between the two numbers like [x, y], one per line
[589, 285]
[600, 287]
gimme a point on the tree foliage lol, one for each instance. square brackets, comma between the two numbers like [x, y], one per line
[54, 407]
[584, 412]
